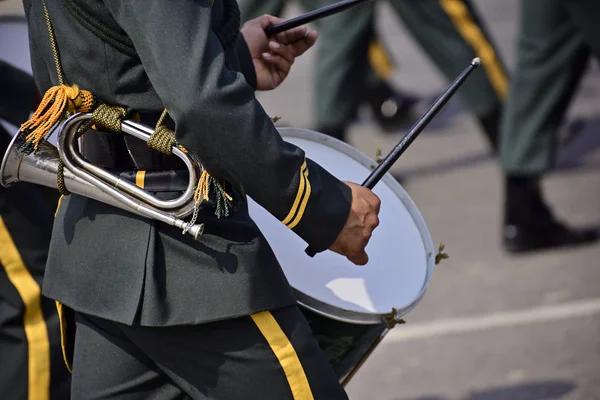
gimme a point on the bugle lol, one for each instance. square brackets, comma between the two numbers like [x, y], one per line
[85, 179]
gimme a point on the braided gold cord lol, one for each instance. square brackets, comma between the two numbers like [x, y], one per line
[55, 54]
[109, 117]
[162, 140]
[57, 102]
[60, 179]
[84, 102]
[161, 120]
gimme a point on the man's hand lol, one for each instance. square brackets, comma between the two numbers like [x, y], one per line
[363, 219]
[273, 57]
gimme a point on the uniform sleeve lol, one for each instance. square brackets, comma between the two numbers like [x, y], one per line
[219, 119]
[245, 60]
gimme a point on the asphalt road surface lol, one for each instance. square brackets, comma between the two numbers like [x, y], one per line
[491, 326]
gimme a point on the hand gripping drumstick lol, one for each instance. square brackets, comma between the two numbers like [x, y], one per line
[311, 16]
[417, 128]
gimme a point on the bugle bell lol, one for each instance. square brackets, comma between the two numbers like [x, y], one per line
[85, 179]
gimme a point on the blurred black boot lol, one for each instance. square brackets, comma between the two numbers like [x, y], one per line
[529, 224]
[391, 108]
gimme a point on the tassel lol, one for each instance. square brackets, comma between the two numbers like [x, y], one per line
[224, 200]
[209, 187]
[57, 102]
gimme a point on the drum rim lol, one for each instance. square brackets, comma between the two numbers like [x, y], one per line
[358, 317]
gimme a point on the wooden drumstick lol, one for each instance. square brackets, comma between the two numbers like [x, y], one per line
[417, 128]
[311, 16]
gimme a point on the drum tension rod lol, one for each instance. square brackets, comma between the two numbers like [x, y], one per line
[441, 255]
[378, 156]
[391, 320]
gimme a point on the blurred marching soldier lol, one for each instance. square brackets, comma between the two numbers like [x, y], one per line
[556, 39]
[449, 31]
[31, 361]
[353, 68]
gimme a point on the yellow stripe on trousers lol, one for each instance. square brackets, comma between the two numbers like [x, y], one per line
[285, 353]
[38, 347]
[461, 18]
[380, 60]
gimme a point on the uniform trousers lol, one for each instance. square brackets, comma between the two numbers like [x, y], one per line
[268, 355]
[554, 46]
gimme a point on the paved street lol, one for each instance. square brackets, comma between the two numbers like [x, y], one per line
[491, 326]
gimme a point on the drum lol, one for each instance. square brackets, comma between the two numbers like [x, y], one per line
[350, 308]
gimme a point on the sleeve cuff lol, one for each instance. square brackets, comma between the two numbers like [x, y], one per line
[321, 207]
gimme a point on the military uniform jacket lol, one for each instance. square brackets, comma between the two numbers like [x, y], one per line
[116, 265]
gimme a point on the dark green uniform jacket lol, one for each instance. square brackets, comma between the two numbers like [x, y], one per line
[190, 59]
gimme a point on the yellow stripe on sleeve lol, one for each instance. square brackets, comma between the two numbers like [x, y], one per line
[285, 353]
[301, 187]
[470, 31]
[36, 331]
[303, 204]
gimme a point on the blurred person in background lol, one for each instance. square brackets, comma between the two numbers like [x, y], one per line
[353, 69]
[556, 39]
[450, 32]
[31, 361]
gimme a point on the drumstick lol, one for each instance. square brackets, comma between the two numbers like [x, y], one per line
[311, 16]
[417, 128]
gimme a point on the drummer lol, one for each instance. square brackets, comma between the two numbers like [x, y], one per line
[158, 314]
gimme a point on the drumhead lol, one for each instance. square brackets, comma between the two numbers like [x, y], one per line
[401, 252]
